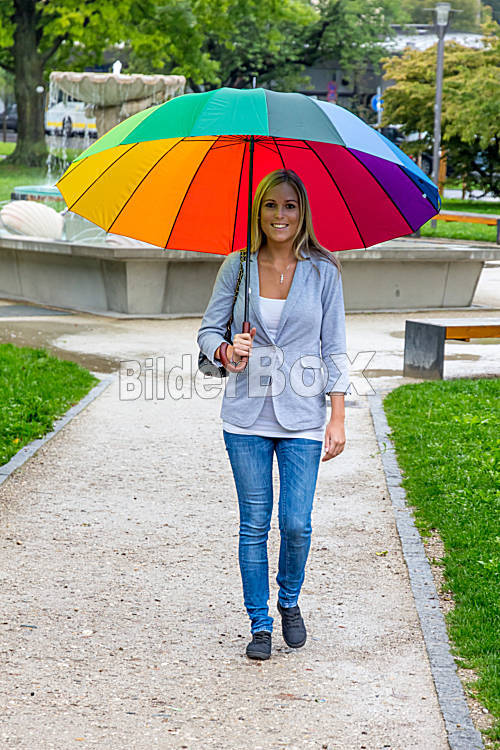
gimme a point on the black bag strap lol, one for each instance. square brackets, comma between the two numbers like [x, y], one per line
[243, 255]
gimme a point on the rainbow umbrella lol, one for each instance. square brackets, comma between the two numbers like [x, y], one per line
[181, 174]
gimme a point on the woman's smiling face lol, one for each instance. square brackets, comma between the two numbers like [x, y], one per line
[279, 213]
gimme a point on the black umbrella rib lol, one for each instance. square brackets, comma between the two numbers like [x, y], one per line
[418, 186]
[340, 192]
[187, 191]
[225, 145]
[267, 147]
[279, 152]
[384, 190]
[289, 144]
[101, 174]
[141, 181]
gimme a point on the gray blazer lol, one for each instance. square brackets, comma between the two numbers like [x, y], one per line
[304, 361]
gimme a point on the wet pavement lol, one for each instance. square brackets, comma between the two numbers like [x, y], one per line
[122, 615]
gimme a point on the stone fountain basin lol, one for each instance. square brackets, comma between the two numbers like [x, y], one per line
[112, 97]
[406, 274]
[113, 89]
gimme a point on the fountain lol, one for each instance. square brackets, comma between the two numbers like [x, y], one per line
[112, 97]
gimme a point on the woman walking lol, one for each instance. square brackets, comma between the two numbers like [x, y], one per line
[296, 354]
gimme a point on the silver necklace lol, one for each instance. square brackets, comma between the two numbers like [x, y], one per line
[283, 273]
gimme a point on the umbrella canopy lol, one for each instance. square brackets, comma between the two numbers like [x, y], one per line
[177, 174]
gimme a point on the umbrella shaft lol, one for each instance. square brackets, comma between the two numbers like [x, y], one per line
[249, 225]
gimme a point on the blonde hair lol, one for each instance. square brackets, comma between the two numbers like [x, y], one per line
[305, 239]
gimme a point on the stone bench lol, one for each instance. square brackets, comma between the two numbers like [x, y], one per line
[424, 342]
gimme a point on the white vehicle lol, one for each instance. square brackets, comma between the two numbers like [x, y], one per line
[67, 117]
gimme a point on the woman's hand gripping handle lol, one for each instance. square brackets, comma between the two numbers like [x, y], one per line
[235, 356]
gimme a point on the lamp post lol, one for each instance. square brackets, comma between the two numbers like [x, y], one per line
[442, 20]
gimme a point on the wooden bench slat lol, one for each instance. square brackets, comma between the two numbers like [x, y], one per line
[445, 322]
[488, 220]
[472, 332]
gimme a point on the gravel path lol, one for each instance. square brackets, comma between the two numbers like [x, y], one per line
[122, 613]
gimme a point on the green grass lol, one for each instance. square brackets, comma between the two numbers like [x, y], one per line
[471, 206]
[448, 446]
[456, 230]
[11, 175]
[35, 389]
[6, 148]
[464, 231]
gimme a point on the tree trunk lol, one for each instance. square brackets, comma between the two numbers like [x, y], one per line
[31, 149]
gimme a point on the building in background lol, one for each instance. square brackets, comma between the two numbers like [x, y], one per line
[356, 91]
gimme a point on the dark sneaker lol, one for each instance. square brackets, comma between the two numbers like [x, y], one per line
[260, 645]
[292, 625]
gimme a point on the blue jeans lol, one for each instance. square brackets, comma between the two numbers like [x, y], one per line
[251, 458]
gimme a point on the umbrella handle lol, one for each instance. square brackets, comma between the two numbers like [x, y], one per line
[223, 353]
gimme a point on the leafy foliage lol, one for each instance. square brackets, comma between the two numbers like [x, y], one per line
[229, 41]
[478, 166]
[238, 39]
[470, 109]
[468, 17]
[495, 7]
[64, 30]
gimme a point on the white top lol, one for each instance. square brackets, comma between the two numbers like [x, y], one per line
[266, 423]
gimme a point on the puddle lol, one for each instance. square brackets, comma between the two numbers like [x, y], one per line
[382, 373]
[42, 336]
[471, 357]
[29, 311]
[475, 342]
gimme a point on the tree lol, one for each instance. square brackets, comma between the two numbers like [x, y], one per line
[495, 7]
[230, 40]
[261, 38]
[471, 104]
[170, 38]
[271, 40]
[467, 19]
[35, 33]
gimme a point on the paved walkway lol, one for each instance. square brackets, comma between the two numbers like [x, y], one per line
[121, 609]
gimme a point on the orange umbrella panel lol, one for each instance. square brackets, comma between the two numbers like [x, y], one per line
[176, 193]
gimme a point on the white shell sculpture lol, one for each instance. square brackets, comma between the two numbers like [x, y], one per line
[32, 219]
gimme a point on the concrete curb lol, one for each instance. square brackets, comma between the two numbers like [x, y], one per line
[462, 735]
[29, 450]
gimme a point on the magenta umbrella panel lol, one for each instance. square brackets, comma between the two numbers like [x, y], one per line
[357, 199]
